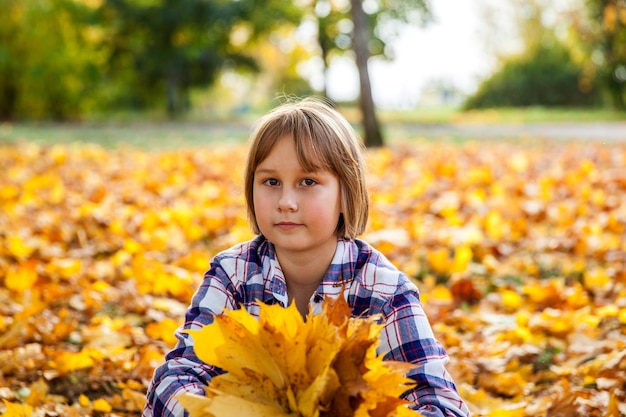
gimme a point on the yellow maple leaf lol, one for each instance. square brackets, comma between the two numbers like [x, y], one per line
[134, 399]
[596, 279]
[17, 410]
[22, 278]
[66, 362]
[613, 409]
[439, 260]
[38, 391]
[102, 405]
[462, 258]
[506, 383]
[494, 225]
[19, 247]
[282, 365]
[511, 300]
[220, 403]
[83, 400]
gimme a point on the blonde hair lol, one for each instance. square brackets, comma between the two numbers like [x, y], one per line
[324, 141]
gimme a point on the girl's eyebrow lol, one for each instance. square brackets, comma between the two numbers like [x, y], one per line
[273, 171]
[264, 170]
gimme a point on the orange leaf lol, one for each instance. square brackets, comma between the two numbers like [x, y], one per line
[163, 330]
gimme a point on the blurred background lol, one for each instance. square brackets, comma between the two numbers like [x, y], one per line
[218, 60]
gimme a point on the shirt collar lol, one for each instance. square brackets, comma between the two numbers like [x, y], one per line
[338, 277]
[341, 270]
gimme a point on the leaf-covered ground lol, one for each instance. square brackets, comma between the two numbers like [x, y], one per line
[519, 250]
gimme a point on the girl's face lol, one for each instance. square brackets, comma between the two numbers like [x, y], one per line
[297, 211]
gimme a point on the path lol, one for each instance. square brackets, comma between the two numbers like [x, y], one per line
[602, 131]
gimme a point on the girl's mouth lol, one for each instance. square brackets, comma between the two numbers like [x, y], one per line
[287, 225]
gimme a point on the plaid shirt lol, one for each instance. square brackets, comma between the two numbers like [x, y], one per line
[250, 271]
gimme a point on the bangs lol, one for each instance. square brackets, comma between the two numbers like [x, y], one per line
[313, 154]
[310, 137]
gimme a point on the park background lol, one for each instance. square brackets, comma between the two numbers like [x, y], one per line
[498, 181]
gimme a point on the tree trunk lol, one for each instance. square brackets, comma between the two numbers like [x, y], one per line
[10, 92]
[174, 93]
[616, 91]
[171, 92]
[360, 36]
[322, 41]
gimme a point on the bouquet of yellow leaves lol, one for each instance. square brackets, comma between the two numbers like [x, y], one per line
[281, 365]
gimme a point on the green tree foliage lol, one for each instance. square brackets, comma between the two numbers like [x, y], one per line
[159, 50]
[602, 37]
[548, 72]
[48, 67]
[543, 76]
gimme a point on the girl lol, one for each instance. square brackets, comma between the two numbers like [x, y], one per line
[307, 202]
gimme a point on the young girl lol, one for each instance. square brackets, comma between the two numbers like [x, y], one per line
[307, 201]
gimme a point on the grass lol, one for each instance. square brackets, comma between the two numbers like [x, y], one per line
[144, 135]
[160, 134]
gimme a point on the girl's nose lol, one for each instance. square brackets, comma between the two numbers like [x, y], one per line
[287, 201]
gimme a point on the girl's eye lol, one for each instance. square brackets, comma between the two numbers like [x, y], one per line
[308, 182]
[272, 182]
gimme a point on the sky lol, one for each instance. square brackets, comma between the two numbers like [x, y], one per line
[449, 50]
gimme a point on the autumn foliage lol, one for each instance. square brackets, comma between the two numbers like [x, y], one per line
[519, 250]
[283, 366]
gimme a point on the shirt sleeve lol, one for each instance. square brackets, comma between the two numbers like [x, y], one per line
[183, 371]
[408, 336]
